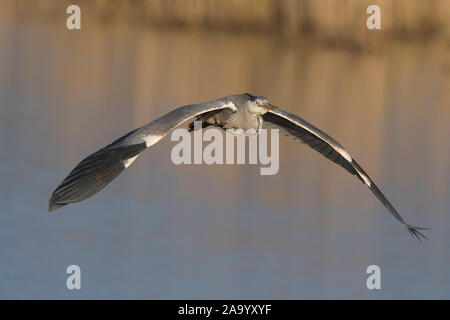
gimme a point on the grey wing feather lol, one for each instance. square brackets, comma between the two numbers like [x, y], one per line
[294, 126]
[96, 171]
[297, 128]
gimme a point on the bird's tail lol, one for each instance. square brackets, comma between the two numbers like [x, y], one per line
[93, 173]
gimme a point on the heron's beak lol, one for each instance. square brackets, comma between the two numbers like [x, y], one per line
[268, 107]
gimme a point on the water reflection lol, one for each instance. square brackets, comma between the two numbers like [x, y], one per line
[166, 231]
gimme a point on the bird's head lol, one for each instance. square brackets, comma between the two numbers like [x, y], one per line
[258, 104]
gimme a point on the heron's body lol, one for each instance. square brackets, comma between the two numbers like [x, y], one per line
[244, 118]
[239, 112]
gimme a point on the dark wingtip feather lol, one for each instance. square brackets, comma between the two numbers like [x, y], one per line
[414, 231]
[92, 174]
[53, 206]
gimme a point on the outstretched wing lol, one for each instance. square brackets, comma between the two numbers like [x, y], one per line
[97, 170]
[296, 127]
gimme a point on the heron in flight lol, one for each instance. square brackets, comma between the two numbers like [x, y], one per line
[234, 112]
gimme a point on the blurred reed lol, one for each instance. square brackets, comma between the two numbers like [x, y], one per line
[331, 21]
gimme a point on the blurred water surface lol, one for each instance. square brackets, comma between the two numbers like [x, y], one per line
[166, 231]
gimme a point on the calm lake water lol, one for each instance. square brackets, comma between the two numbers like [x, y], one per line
[197, 231]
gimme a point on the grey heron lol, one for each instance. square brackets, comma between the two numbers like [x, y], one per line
[240, 111]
